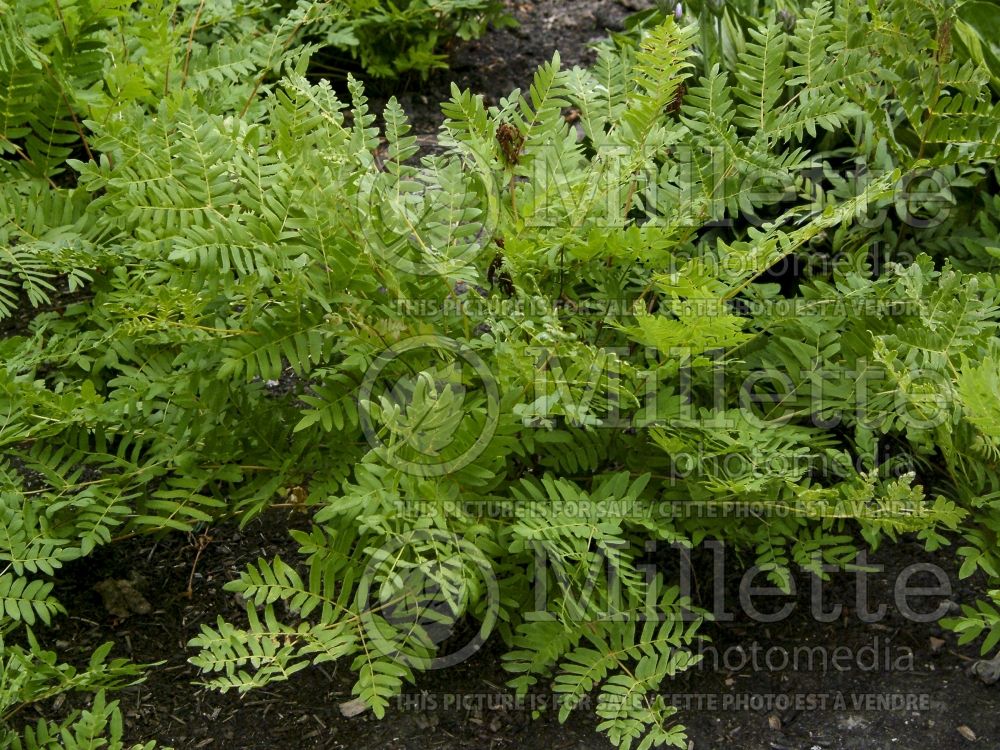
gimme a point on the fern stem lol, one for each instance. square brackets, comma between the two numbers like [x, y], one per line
[20, 152]
[190, 43]
[260, 79]
[72, 113]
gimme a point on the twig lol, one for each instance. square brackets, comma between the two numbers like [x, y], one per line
[203, 541]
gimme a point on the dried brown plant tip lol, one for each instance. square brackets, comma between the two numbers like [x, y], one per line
[511, 142]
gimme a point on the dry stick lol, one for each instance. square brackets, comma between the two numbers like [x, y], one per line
[203, 541]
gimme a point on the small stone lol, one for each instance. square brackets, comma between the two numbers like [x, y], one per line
[967, 733]
[605, 20]
[353, 707]
[121, 599]
[987, 670]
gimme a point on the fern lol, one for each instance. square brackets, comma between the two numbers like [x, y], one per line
[488, 376]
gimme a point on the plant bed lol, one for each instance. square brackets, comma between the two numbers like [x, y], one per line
[516, 432]
[469, 707]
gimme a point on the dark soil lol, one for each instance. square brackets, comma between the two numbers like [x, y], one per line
[724, 703]
[506, 59]
[904, 684]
